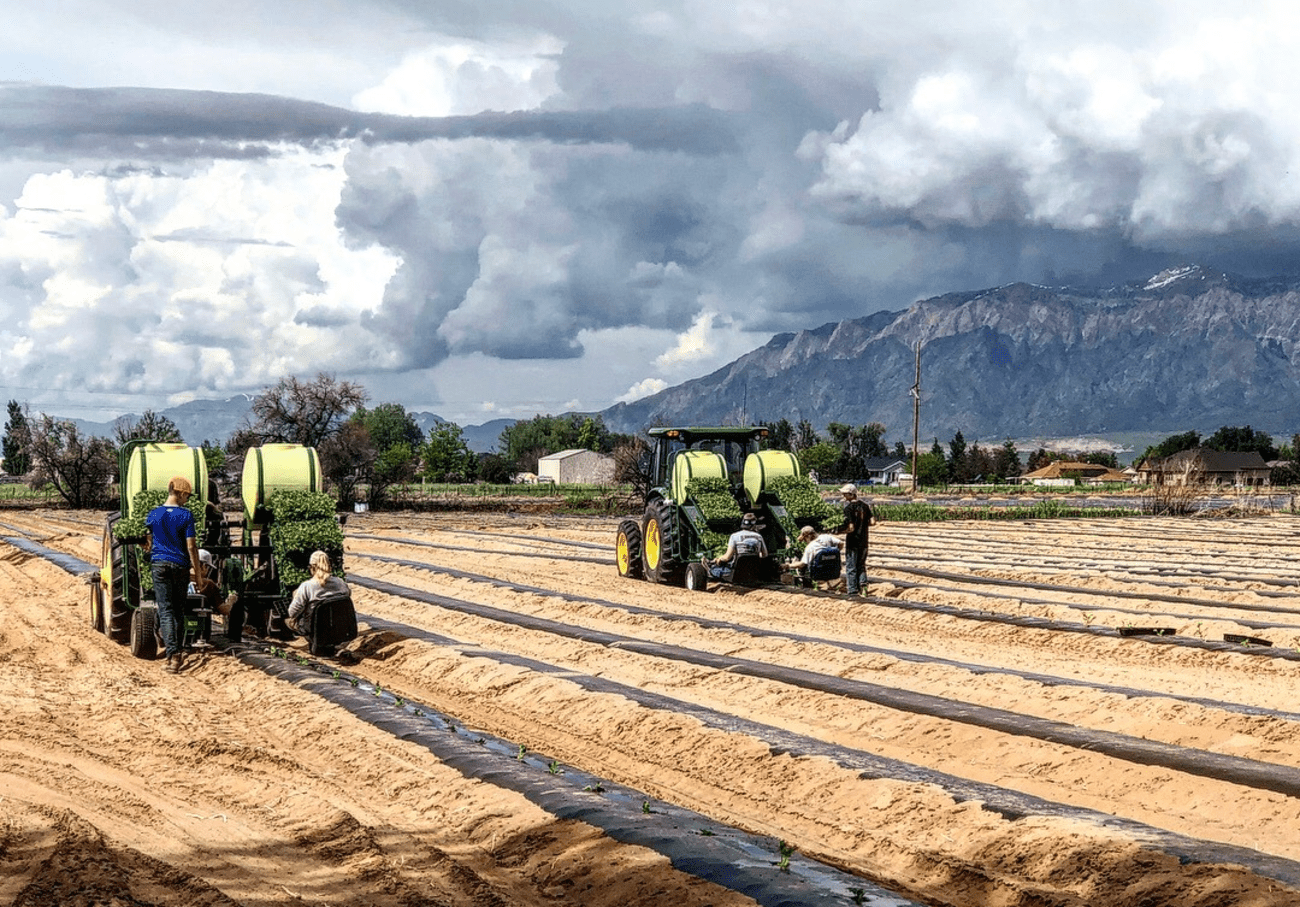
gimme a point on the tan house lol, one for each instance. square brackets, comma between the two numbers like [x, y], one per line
[1066, 472]
[576, 467]
[1201, 466]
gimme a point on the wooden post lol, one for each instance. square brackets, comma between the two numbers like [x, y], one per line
[916, 416]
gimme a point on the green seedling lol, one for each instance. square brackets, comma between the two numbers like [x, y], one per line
[645, 807]
[481, 741]
[554, 768]
[859, 895]
[419, 713]
[355, 681]
[704, 832]
[596, 788]
[399, 702]
[786, 850]
[523, 751]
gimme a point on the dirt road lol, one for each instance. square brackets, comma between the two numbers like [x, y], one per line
[520, 726]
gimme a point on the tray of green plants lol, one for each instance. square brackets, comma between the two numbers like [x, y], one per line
[303, 522]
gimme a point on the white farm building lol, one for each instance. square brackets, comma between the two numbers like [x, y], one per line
[576, 467]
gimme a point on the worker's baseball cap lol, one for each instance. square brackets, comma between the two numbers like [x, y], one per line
[205, 557]
[180, 483]
[748, 520]
[849, 488]
[807, 532]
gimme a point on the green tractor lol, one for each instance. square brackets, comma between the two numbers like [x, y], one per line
[704, 479]
[121, 591]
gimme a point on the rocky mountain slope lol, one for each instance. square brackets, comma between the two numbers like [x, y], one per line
[1189, 348]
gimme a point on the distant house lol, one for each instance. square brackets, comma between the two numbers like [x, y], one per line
[1066, 472]
[1201, 466]
[576, 467]
[884, 470]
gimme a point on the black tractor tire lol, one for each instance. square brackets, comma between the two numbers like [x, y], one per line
[96, 607]
[627, 550]
[122, 561]
[697, 577]
[659, 538]
[144, 627]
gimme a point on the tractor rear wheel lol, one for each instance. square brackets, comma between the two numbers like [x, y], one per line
[122, 562]
[627, 550]
[659, 533]
[144, 626]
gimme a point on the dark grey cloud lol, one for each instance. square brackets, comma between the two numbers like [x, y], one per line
[145, 123]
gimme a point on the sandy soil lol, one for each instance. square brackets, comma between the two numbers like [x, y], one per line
[861, 732]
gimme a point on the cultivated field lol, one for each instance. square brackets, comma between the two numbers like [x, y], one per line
[518, 726]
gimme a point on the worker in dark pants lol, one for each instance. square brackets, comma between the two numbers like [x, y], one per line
[173, 558]
[857, 519]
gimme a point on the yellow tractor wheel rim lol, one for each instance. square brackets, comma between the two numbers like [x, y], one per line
[653, 541]
[624, 562]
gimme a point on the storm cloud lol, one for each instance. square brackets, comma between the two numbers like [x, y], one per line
[508, 208]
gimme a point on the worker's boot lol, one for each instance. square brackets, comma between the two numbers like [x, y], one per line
[174, 664]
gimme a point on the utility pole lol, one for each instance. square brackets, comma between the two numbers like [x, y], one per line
[916, 416]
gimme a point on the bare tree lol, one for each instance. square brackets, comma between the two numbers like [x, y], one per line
[79, 468]
[304, 412]
[632, 466]
[346, 459]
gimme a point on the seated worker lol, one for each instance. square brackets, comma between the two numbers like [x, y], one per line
[322, 582]
[207, 585]
[745, 541]
[821, 558]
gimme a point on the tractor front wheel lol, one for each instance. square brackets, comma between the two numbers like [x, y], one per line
[659, 544]
[96, 607]
[697, 577]
[627, 550]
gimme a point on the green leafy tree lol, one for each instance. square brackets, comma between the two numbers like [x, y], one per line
[18, 459]
[901, 451]
[392, 466]
[346, 459]
[589, 434]
[958, 468]
[820, 457]
[873, 440]
[495, 469]
[446, 455]
[214, 456]
[151, 426]
[931, 467]
[1006, 462]
[1243, 438]
[1172, 445]
[390, 424]
[529, 439]
[780, 435]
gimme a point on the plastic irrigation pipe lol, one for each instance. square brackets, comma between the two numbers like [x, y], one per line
[549, 557]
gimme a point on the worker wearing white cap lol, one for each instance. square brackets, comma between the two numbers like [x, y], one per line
[857, 519]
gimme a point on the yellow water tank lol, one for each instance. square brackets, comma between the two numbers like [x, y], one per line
[695, 464]
[764, 466]
[154, 464]
[273, 467]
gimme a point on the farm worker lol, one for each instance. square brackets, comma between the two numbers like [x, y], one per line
[322, 581]
[857, 519]
[820, 553]
[173, 555]
[744, 541]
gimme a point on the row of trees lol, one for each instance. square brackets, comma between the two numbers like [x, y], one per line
[361, 448]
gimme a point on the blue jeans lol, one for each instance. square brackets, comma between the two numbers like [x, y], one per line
[170, 586]
[855, 570]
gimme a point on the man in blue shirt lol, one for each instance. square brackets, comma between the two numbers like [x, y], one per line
[174, 555]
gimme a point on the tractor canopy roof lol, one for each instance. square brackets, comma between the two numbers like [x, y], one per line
[709, 432]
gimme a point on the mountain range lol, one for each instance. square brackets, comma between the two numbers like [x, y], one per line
[1186, 349]
[1189, 348]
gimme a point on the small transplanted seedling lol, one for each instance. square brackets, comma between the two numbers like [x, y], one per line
[786, 850]
[859, 895]
[523, 751]
[704, 832]
[596, 788]
[554, 768]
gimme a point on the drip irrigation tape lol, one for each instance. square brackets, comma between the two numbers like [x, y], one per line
[1232, 769]
[1010, 804]
[593, 546]
[1045, 679]
[727, 857]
